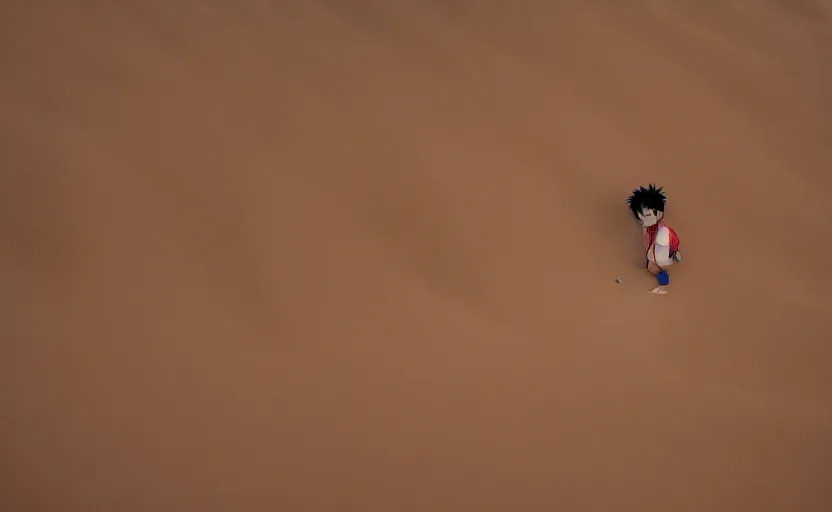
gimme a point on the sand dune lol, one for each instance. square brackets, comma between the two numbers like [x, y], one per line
[361, 256]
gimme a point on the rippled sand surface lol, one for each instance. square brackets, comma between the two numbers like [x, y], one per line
[361, 256]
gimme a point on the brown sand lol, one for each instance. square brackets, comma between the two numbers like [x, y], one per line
[345, 256]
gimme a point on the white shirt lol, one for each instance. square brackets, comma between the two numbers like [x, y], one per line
[662, 247]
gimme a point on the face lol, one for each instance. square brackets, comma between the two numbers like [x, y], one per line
[649, 217]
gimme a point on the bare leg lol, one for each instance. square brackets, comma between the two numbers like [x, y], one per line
[654, 270]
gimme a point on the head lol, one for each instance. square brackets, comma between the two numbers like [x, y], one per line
[647, 205]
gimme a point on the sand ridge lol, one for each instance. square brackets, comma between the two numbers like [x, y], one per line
[362, 256]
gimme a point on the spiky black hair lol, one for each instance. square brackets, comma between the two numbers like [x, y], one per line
[650, 197]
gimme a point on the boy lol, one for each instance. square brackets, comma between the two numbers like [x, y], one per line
[661, 244]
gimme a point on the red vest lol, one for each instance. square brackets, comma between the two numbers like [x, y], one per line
[650, 237]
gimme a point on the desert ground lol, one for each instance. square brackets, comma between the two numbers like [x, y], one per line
[361, 256]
